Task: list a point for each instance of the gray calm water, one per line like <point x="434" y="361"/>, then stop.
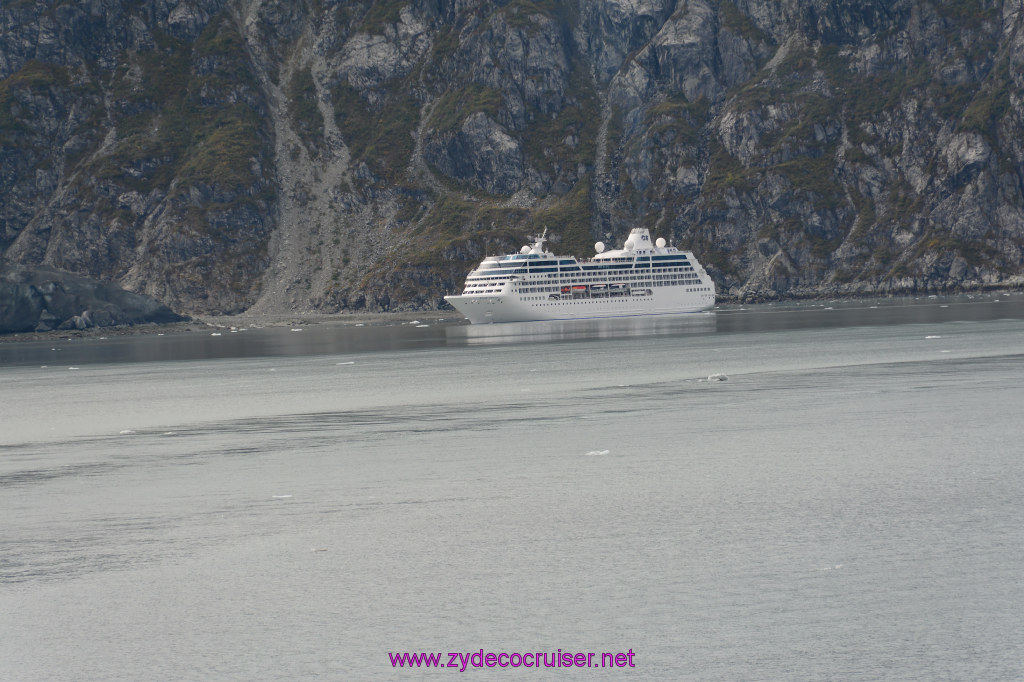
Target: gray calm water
<point x="281" y="504"/>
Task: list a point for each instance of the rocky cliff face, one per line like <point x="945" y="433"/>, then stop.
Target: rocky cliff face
<point x="222" y="155"/>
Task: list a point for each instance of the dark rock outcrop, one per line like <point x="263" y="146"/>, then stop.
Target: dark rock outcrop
<point x="43" y="299"/>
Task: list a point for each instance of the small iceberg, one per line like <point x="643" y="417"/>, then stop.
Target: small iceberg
<point x="281" y="497"/>
<point x="933" y="336"/>
<point x="718" y="377"/>
<point x="597" y="453"/>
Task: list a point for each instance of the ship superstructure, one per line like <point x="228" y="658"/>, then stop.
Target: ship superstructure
<point x="642" y="278"/>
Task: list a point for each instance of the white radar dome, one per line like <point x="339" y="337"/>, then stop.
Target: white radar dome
<point x="525" y="249"/>
<point x="599" y="247"/>
<point x="630" y="245"/>
<point x="660" y="242"/>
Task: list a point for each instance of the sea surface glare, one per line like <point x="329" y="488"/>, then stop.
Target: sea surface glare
<point x="843" y="502"/>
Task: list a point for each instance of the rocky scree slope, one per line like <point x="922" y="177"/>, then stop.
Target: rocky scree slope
<point x="229" y="155"/>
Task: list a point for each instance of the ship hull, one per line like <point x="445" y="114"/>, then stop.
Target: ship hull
<point x="512" y="308"/>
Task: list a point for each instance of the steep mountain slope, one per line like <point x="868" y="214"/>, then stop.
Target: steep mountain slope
<point x="223" y="155"/>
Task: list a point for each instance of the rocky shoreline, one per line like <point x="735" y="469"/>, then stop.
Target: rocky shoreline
<point x="206" y="324"/>
<point x="863" y="290"/>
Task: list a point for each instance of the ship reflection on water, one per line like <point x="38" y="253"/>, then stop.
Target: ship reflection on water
<point x="568" y="330"/>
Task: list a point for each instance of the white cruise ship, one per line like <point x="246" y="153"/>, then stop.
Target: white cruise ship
<point x="640" y="279"/>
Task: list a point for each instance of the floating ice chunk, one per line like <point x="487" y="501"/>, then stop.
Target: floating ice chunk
<point x="933" y="336"/>
<point x="73" y="368"/>
<point x="126" y="432"/>
<point x="281" y="497"/>
<point x="421" y="326"/>
<point x="597" y="453"/>
<point x="718" y="377"/>
<point x="297" y="330"/>
<point x="415" y="322"/>
<point x="360" y="324"/>
<point x="350" y="362"/>
<point x="215" y="334"/>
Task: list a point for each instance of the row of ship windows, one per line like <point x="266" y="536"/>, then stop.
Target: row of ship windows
<point x="601" y="298"/>
<point x="602" y="273"/>
<point x="584" y="300"/>
<point x="534" y="261"/>
<point x="480" y="288"/>
<point x="603" y="269"/>
<point x="492" y="281"/>
<point x="541" y="298"/>
<point x="658" y="281"/>
<point x="620" y="299"/>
